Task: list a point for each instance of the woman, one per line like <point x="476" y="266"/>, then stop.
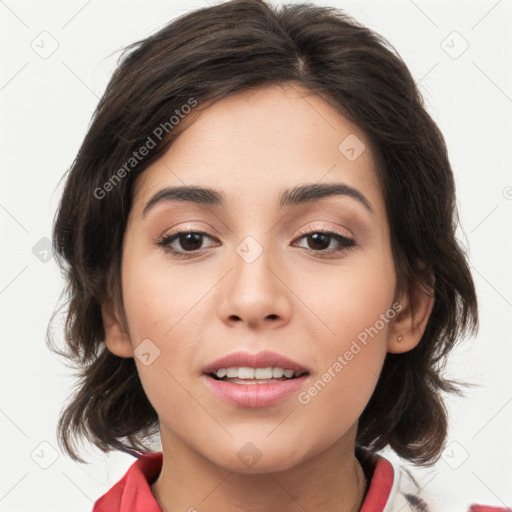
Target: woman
<point x="259" y="235"/>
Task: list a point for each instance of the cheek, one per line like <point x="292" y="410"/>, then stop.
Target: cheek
<point x="157" y="319"/>
<point x="350" y="297"/>
<point x="165" y="305"/>
<point x="355" y="312"/>
<point x="350" y="365"/>
<point x="160" y="300"/>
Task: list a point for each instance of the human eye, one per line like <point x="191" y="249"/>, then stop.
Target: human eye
<point x="190" y="242"/>
<point x="322" y="240"/>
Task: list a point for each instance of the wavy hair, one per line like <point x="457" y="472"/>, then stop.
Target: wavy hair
<point x="210" y="54"/>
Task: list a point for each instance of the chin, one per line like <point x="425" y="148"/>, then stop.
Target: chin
<point x="270" y="464"/>
<point x="254" y="457"/>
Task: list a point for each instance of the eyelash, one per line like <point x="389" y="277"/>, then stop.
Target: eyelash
<point x="346" y="243"/>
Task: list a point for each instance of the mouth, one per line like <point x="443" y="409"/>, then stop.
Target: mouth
<point x="263" y="365"/>
<point x="243" y="379"/>
<point x="245" y="386"/>
<point x="246" y="375"/>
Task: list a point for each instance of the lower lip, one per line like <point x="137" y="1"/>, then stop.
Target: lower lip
<point x="254" y="395"/>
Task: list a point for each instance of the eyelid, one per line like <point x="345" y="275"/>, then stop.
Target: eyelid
<point x="302" y="231"/>
<point x="346" y="243"/>
<point x="179" y="232"/>
<point x="330" y="228"/>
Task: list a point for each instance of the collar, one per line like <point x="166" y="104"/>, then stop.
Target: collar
<point x="391" y="488"/>
<point x="133" y="492"/>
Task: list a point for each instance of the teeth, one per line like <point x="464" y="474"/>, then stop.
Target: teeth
<point x="277" y="373"/>
<point x="244" y="372"/>
<point x="231" y="372"/>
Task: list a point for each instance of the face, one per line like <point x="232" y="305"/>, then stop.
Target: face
<point x="256" y="275"/>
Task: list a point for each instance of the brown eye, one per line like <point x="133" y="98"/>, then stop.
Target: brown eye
<point x="320" y="241"/>
<point x="182" y="242"/>
<point x="190" y="241"/>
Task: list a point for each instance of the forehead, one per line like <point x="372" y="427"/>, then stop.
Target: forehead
<point x="260" y="143"/>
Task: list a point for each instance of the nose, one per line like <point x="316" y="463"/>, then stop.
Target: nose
<point x="254" y="292"/>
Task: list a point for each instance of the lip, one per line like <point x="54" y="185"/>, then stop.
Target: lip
<point x="262" y="359"/>
<point x="254" y="395"/>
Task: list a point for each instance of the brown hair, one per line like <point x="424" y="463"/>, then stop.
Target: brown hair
<point x="210" y="54"/>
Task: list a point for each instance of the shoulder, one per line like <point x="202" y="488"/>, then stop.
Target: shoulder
<point x="393" y="488"/>
<point x="133" y="492"/>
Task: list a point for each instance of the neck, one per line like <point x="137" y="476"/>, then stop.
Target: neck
<point x="331" y="481"/>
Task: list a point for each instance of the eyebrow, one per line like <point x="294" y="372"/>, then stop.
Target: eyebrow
<point x="301" y="194"/>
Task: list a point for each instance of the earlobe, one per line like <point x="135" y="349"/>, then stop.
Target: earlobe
<point x="410" y="323"/>
<point x="116" y="338"/>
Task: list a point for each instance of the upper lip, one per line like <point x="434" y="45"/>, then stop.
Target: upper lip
<point x="263" y="359"/>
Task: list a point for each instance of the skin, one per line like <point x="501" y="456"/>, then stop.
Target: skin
<point x="252" y="146"/>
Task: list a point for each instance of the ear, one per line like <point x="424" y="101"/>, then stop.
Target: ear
<point x="409" y="325"/>
<point x="116" y="337"/>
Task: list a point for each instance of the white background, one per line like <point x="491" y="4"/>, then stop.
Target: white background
<point x="46" y="105"/>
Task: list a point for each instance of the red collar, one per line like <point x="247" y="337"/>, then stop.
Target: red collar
<point x="133" y="492"/>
